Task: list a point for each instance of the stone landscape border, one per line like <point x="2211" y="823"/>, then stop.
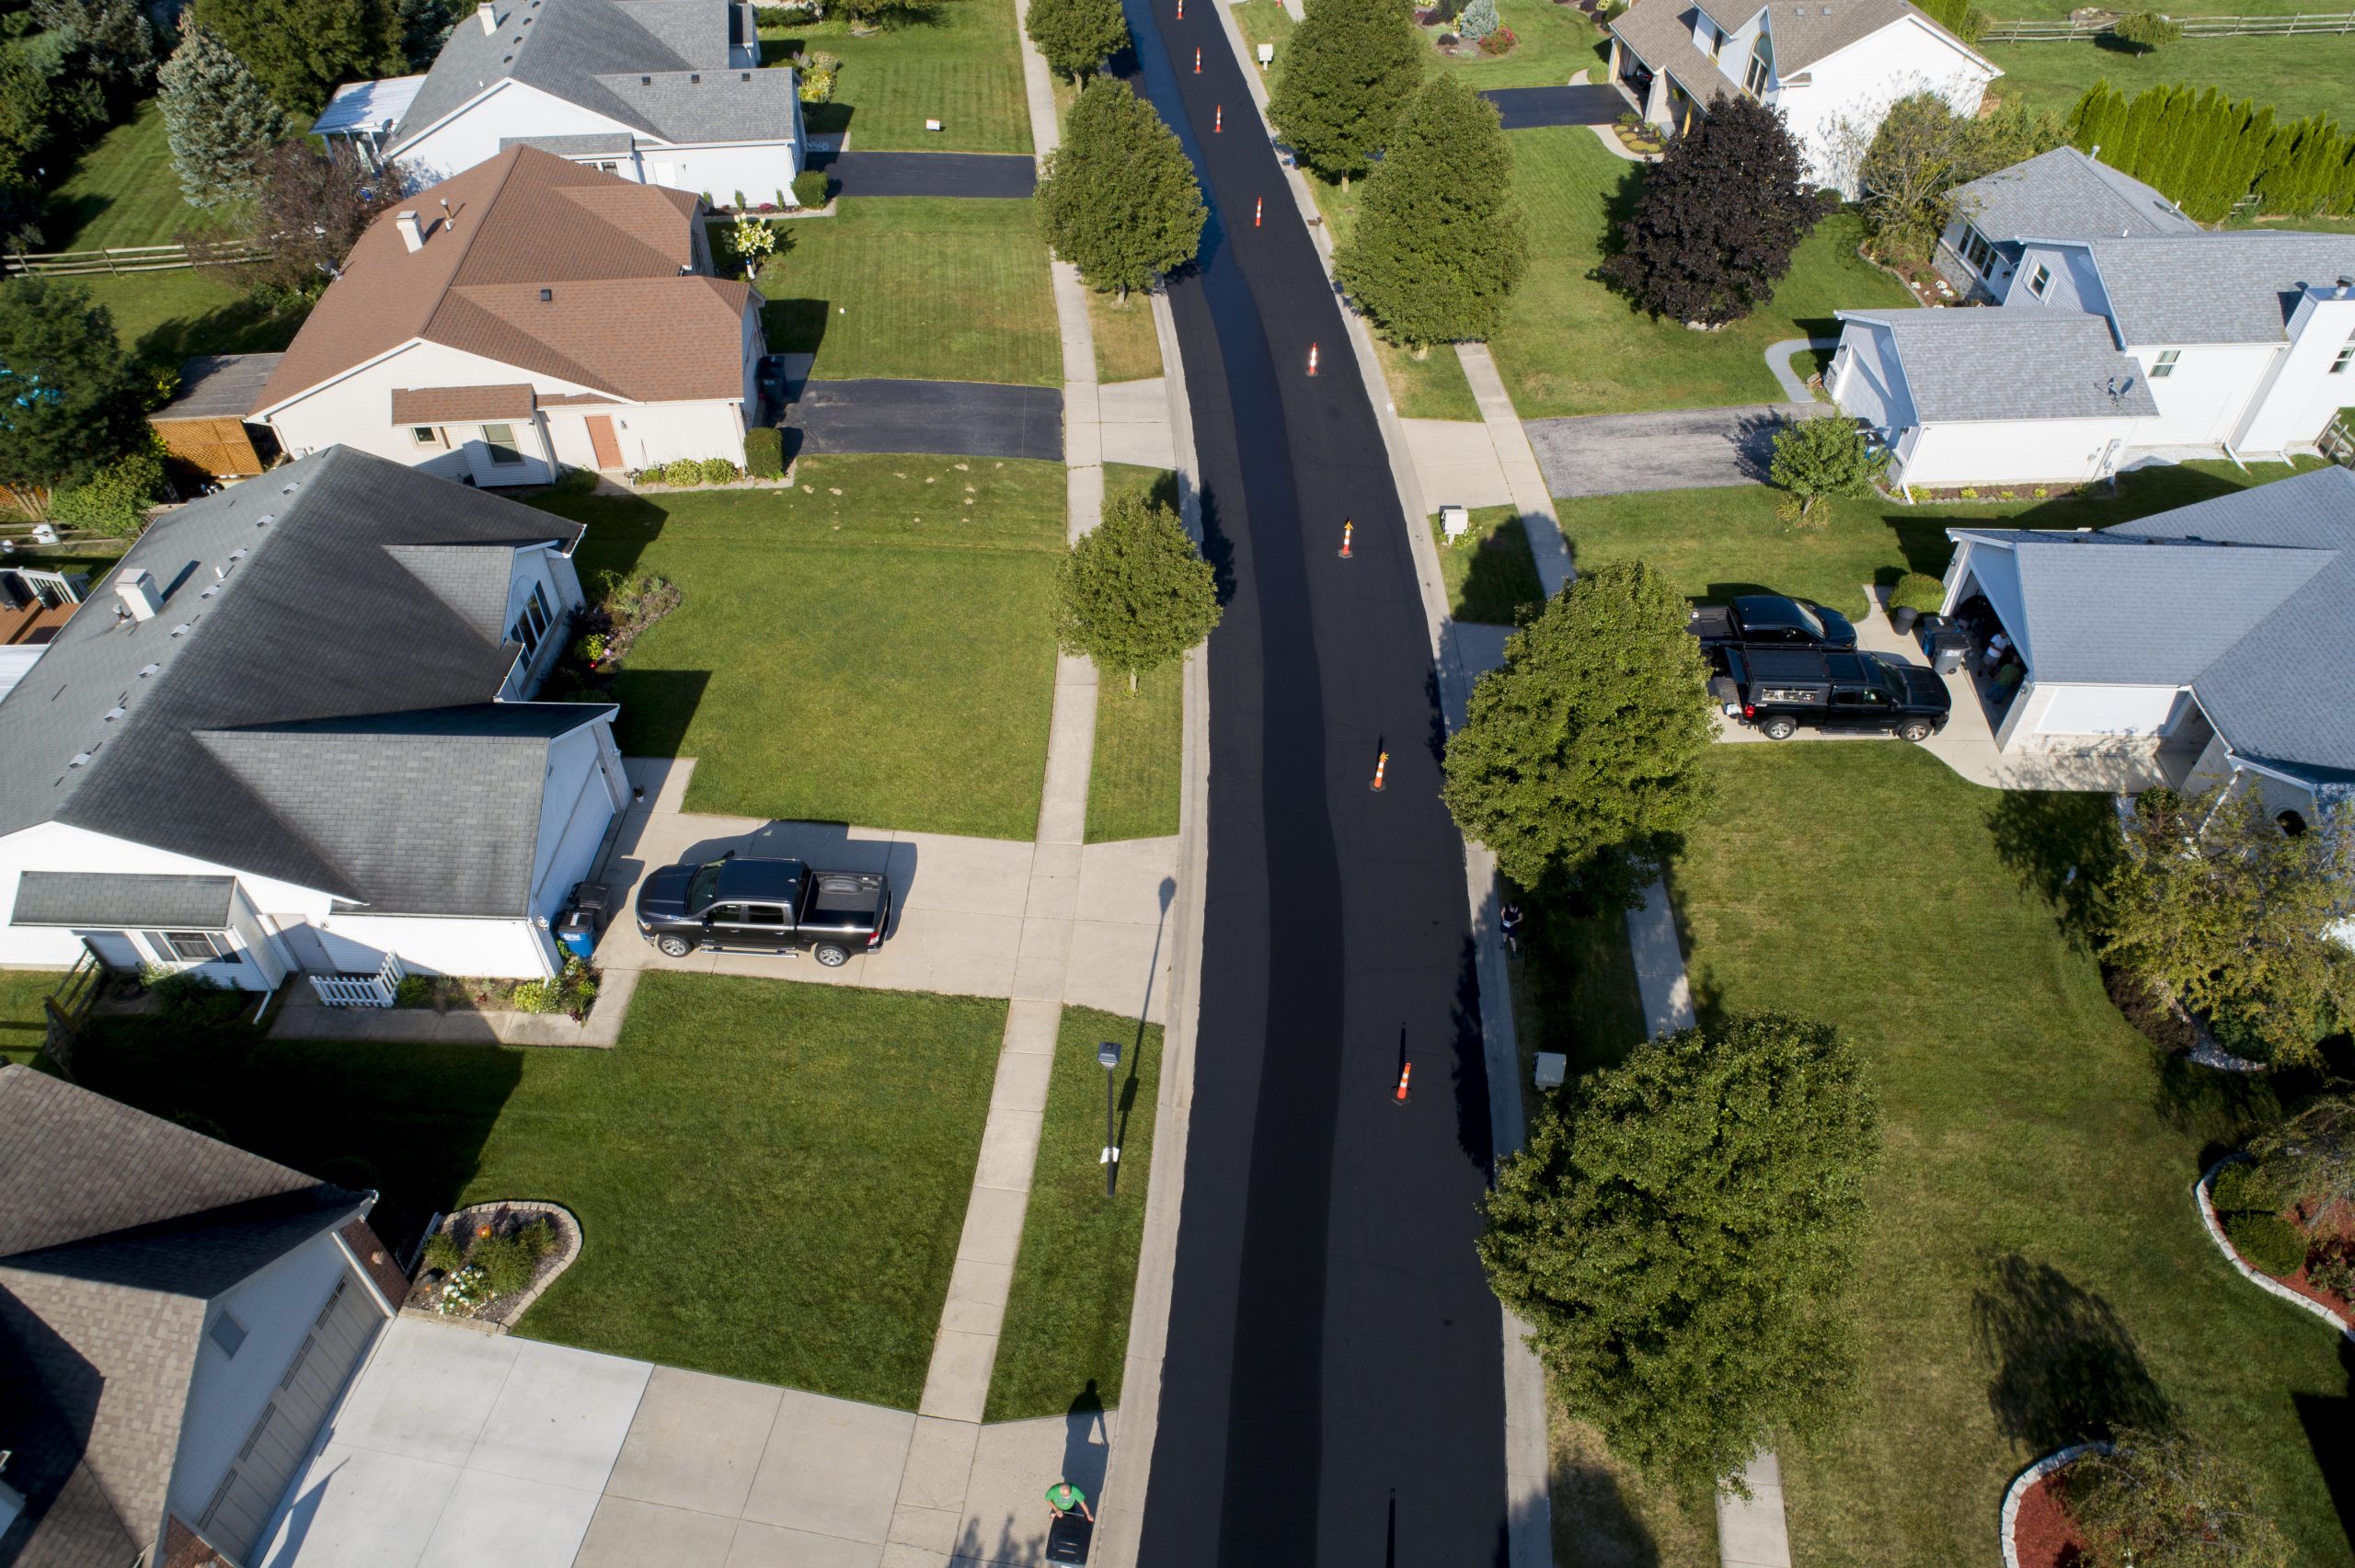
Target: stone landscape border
<point x="568" y="1228"/>
<point x="2029" y="1477"/>
<point x="2264" y="1282"/>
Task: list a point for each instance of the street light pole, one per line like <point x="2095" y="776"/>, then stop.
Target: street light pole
<point x="1107" y="1057"/>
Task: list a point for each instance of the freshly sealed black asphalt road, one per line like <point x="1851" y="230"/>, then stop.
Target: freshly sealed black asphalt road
<point x="963" y="418"/>
<point x="1523" y="108"/>
<point x="1333" y="1392"/>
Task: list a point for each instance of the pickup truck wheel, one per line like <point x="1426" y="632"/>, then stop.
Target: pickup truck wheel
<point x="831" y="955"/>
<point x="1778" y="730"/>
<point x="1915" y="731"/>
<point x="674" y="946"/>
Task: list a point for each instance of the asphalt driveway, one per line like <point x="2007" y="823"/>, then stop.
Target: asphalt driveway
<point x="1001" y="175"/>
<point x="962" y="419"/>
<point x="1526" y="108"/>
<point x="1682" y="449"/>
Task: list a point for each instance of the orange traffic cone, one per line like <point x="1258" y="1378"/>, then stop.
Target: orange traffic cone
<point x="1218" y="117"/>
<point x="1347" y="529"/>
<point x="1312" y="359"/>
<point x="1259" y="207"/>
<point x="1380" y="764"/>
<point x="1198" y="62"/>
<point x="1405" y="1070"/>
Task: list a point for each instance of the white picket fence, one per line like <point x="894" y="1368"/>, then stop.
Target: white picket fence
<point x="360" y="991"/>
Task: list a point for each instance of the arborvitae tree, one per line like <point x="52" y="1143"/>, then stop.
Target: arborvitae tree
<point x="1582" y="755"/>
<point x="1119" y="200"/>
<point x="1438" y="244"/>
<point x="1678" y="1234"/>
<point x="219" y="121"/>
<point x="113" y="42"/>
<point x="67" y="403"/>
<point x="423" y="27"/>
<point x="303" y="49"/>
<point x="1348" y="71"/>
<point x="1078" y="36"/>
<point x="1134" y="593"/>
<point x="1719" y="217"/>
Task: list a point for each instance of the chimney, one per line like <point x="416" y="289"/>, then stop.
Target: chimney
<point x="411" y="234"/>
<point x="489" y="16"/>
<point x="137" y="592"/>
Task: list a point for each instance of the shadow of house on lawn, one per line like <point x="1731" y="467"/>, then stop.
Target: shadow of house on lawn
<point x="658" y="708"/>
<point x="2063" y="1368"/>
<point x="241" y="327"/>
<point x="2329" y="1422"/>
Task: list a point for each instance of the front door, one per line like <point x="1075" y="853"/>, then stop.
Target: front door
<point x="607" y="446"/>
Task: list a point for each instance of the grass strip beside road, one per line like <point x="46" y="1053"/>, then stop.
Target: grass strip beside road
<point x="916" y="288"/>
<point x="1432" y="387"/>
<point x="1127" y="346"/>
<point x="874" y="645"/>
<point x="1066" y="1328"/>
<point x="771" y="1178"/>
<point x="1489" y="573"/>
<point x="1133" y="784"/>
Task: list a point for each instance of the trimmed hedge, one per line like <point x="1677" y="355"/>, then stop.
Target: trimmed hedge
<point x="811" y="188"/>
<point x="1918" y="592"/>
<point x="764" y="452"/>
<point x="2206" y="151"/>
<point x="2245" y="1187"/>
<point x="2267" y="1243"/>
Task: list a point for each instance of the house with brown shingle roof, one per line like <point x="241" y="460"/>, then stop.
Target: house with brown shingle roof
<point x="178" y="1318"/>
<point x="526" y="315"/>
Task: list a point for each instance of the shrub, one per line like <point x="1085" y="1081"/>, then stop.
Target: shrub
<point x="740" y="202"/>
<point x="811" y="189"/>
<point x="1479" y="19"/>
<point x="764" y="452"/>
<point x="189" y="997"/>
<point x="508" y="1262"/>
<point x="817" y="87"/>
<point x="441" y="1253"/>
<point x="1498" y="42"/>
<point x="2267" y="1243"/>
<point x="115" y="499"/>
<point x="683" y="471"/>
<point x="2244" y="1186"/>
<point x="415" y="991"/>
<point x="821" y="60"/>
<point x="1918" y="592"/>
<point x="574" y="481"/>
<point x="2146" y="30"/>
<point x="536" y="996"/>
<point x="719" y="470"/>
<point x="1826" y="456"/>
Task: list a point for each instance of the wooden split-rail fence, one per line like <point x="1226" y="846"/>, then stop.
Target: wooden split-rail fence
<point x="2193" y="26"/>
<point x="119" y="260"/>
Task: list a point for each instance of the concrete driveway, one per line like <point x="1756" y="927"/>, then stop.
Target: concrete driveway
<point x="962" y="418"/>
<point x="1682" y="449"/>
<point x="455" y="1446"/>
<point x="961" y="919"/>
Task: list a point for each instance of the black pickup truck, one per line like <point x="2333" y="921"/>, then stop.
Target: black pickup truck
<point x="1769" y="619"/>
<point x="1780" y="689"/>
<point x="765" y="905"/>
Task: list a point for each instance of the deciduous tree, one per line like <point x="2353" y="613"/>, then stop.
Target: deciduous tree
<point x="2167" y="1500"/>
<point x="1134" y="593"/>
<point x="67" y="402"/>
<point x="220" y="123"/>
<point x="1719" y="217"/>
<point x="1827" y="455"/>
<point x="1119" y="200"/>
<point x="1582" y="755"/>
<point x="1678" y="1233"/>
<point x="1438" y="244"/>
<point x="300" y="51"/>
<point x="1078" y="36"/>
<point x="1348" y="71"/>
<point x="312" y="207"/>
<point x="1909" y="165"/>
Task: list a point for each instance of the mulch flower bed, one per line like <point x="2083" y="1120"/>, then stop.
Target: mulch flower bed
<point x="488" y="1263"/>
<point x="2330" y="1232"/>
<point x="2044" y="1534"/>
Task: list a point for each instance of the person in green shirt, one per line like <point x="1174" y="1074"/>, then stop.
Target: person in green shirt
<point x="1063" y="1497"/>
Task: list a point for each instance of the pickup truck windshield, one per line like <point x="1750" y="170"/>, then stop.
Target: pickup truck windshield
<point x="706" y="884"/>
<point x="1807" y="619"/>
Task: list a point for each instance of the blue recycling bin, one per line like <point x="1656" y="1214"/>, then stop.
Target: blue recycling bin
<point x="577" y="933"/>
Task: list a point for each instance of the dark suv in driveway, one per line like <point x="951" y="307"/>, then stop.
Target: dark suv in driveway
<point x="765" y="906"/>
<point x="1780" y="691"/>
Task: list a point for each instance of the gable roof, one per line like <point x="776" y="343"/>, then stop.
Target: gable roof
<point x="628" y="312"/>
<point x="2215" y="288"/>
<point x="2012" y="364"/>
<point x="2246" y="599"/>
<point x="593" y="53"/>
<point x="1660" y="32"/>
<point x="275" y="735"/>
<point x="2063" y="194"/>
<point x="119" y="1229"/>
<point x="1806" y="33"/>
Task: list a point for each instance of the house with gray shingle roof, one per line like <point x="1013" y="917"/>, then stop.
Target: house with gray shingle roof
<point x="295" y="731"/>
<point x="662" y="92"/>
<point x="178" y="1318"/>
<point x="1831" y="68"/>
<point x="2118" y="331"/>
<point x="2217" y="632"/>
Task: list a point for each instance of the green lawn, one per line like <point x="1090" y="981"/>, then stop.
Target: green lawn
<point x="1489" y="573"/>
<point x="1717" y="544"/>
<point x="1067" y="1327"/>
<point x="2297" y="75"/>
<point x="1570" y="346"/>
<point x="162" y="319"/>
<point x="23" y="1025"/>
<point x="2033" y="1250"/>
<point x="963" y="67"/>
<point x="1127" y="346"/>
<point x="1132" y="784"/>
<point x="1555" y="43"/>
<point x="771" y="1177"/>
<point x="919" y="288"/>
<point x="883" y="656"/>
<point x="1264" y="21"/>
<point x="123" y="192"/>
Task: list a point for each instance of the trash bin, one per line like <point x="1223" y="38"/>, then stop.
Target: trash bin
<point x="1068" y="1539"/>
<point x="577" y="933"/>
<point x="1948" y="649"/>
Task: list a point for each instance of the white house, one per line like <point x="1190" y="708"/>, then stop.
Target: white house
<point x="525" y="315"/>
<point x="2218" y="632"/>
<point x="664" y="92"/>
<point x="294" y="732"/>
<point x="2062" y="194"/>
<point x="1831" y="67"/>
<point x="176" y="1319"/>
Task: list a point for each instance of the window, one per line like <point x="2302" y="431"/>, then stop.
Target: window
<point x="1977" y="254"/>
<point x="193" y="946"/>
<point x="725" y="914"/>
<point x="228" y="1333"/>
<point x="1762" y="69"/>
<point x="2346" y="357"/>
<point x="2039" y="280"/>
<point x="425" y="435"/>
<point x="763" y="914"/>
<point x="1858" y="697"/>
<point x="608" y="166"/>
<point x="500" y="438"/>
<point x="1717" y="44"/>
<point x="2166" y="367"/>
<point x="532" y="622"/>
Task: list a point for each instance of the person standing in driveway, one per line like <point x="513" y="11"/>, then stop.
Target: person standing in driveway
<point x="1064" y="1498"/>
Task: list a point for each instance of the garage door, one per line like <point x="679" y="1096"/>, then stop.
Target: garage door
<point x="274" y="1449"/>
<point x="2109" y="710"/>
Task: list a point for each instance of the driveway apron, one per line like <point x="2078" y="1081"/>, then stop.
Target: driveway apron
<point x="1526" y="108"/>
<point x="960" y="418"/>
<point x="1001" y="175"/>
